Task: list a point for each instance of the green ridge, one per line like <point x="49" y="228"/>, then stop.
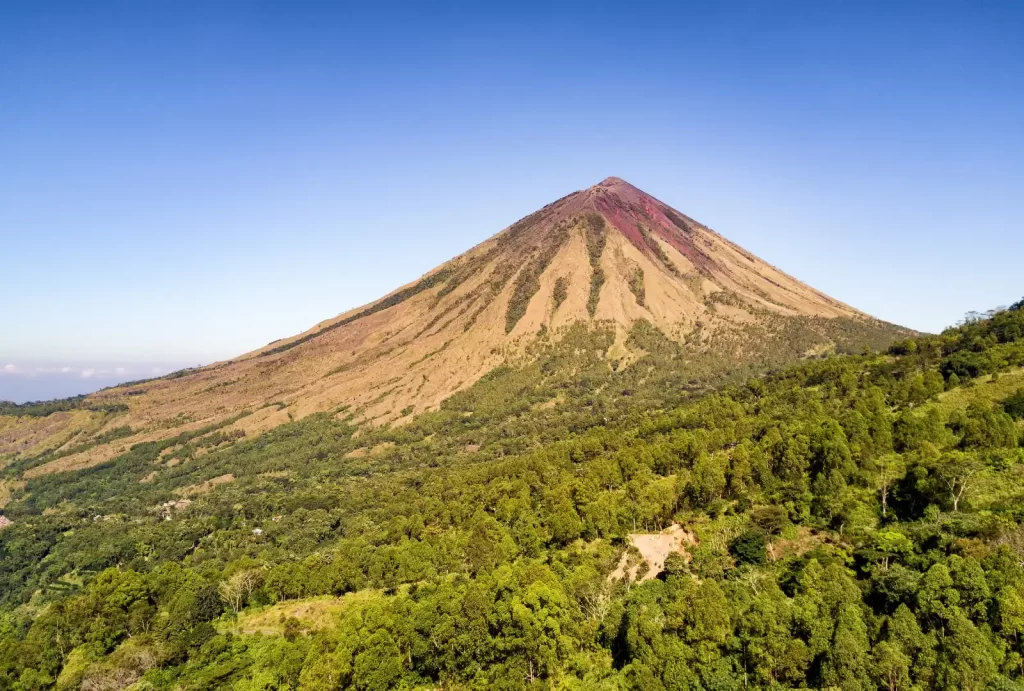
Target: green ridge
<point x="596" y="234"/>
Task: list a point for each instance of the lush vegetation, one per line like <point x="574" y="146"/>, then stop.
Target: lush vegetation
<point x="857" y="523"/>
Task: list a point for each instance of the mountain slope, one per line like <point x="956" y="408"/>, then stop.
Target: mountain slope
<point x="609" y="255"/>
<point x="857" y="518"/>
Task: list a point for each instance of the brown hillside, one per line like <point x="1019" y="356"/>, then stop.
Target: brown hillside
<point x="609" y="252"/>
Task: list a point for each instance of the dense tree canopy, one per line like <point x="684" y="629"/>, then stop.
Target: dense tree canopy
<point x="857" y="522"/>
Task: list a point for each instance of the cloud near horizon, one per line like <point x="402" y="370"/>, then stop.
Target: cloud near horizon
<point x="22" y="382"/>
<point x="83" y="372"/>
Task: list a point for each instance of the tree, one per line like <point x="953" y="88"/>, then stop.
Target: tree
<point x="890" y="666"/>
<point x="769" y="651"/>
<point x="676" y="564"/>
<point x="740" y="470"/>
<point x="958" y="471"/>
<point x="489" y="545"/>
<point x="33" y="680"/>
<point x="968" y="659"/>
<point x="708" y="479"/>
<point x="904" y="632"/>
<point x="831" y="495"/>
<point x="891" y="469"/>
<point x="322" y="671"/>
<point x="239" y="587"/>
<point x="532" y="627"/>
<point x="1014" y="405"/>
<point x="983" y="426"/>
<point x="933" y="383"/>
<point x="889" y="544"/>
<point x="772" y="520"/>
<point x="379" y="666"/>
<point x="1010" y="605"/>
<point x="708" y="615"/>
<point x="831" y="450"/>
<point x="908" y="432"/>
<point x="971" y="583"/>
<point x="749" y="547"/>
<point x="936" y="597"/>
<point x="846" y="661"/>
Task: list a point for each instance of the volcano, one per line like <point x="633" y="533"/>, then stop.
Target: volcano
<point x="609" y="255"/>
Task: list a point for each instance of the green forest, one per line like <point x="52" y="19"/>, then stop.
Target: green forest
<point x="857" y="523"/>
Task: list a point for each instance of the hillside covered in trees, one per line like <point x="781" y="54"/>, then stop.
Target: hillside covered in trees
<point x="856" y="524"/>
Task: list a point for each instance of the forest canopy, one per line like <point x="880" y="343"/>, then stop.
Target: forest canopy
<point x="856" y="524"/>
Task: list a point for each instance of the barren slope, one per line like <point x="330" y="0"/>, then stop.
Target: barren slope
<point x="610" y="252"/>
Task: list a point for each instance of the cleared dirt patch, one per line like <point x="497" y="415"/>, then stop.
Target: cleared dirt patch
<point x="653" y="548"/>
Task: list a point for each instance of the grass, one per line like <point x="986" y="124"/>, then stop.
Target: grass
<point x="5" y="492"/>
<point x="984" y="390"/>
<point x="315" y="614"/>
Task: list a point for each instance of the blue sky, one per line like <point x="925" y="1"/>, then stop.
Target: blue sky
<point x="181" y="182"/>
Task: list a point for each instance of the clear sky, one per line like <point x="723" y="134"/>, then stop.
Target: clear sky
<point x="181" y="181"/>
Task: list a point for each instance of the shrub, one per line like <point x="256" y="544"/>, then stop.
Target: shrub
<point x="596" y="236"/>
<point x="1014" y="405"/>
<point x="596" y="281"/>
<point x="636" y="285"/>
<point x="561" y="291"/>
<point x="749" y="548"/>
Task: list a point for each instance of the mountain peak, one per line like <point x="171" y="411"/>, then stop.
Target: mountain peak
<point x="609" y="256"/>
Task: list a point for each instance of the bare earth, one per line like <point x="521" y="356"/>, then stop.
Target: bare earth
<point x="654" y="549"/>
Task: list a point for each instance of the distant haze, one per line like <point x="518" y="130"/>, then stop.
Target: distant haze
<point x="22" y="381"/>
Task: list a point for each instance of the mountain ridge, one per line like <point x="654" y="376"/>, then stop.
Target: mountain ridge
<point x="592" y="200"/>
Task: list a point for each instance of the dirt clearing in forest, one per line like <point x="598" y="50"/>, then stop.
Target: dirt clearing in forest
<point x="653" y="549"/>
